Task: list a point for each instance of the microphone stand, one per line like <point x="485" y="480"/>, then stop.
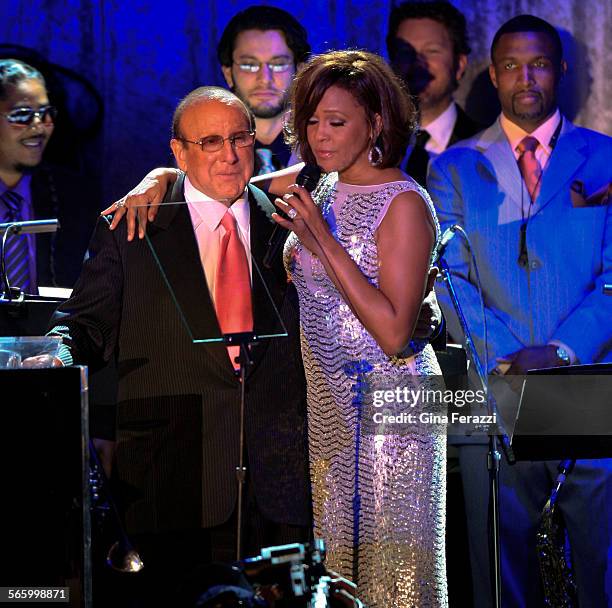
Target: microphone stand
<point x="493" y="454"/>
<point x="245" y="360"/>
<point x="13" y="296"/>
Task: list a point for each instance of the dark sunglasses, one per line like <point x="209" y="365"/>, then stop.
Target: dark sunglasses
<point x="22" y="117"/>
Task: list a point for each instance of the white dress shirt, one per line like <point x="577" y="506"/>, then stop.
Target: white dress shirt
<point x="440" y="131"/>
<point x="206" y="214"/>
<point x="544" y="134"/>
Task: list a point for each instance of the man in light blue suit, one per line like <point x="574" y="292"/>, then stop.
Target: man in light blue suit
<point x="523" y="190"/>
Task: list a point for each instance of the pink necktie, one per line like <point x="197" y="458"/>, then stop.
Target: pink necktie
<point x="233" y="285"/>
<point x="529" y="165"/>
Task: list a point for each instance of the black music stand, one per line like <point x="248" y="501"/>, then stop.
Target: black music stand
<point x="44" y="468"/>
<point x="565" y="413"/>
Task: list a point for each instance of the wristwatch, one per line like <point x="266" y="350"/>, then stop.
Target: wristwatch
<point x="563" y="356"/>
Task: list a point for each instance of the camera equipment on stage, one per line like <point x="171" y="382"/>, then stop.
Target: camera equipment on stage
<point x="287" y="575"/>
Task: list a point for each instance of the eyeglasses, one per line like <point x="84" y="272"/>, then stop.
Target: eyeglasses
<point x="214" y="143"/>
<point x="22" y="117"/>
<point x="252" y="67"/>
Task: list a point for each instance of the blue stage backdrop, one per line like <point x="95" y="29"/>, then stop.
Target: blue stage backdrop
<point x="143" y="56"/>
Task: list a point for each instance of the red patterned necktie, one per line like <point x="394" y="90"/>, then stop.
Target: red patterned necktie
<point x="233" y="285"/>
<point x="529" y="165"/>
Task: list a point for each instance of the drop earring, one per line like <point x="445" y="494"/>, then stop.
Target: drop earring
<point x="375" y="155"/>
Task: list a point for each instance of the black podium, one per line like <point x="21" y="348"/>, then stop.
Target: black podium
<point x="44" y="471"/>
<point x="29" y="317"/>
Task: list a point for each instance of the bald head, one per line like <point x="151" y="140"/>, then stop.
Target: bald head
<point x="206" y="94"/>
<point x="213" y="144"/>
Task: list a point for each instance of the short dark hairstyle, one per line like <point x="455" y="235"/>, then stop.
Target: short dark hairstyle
<point x="374" y="86"/>
<point x="13" y="71"/>
<point x="264" y="18"/>
<point x="528" y="23"/>
<point x="208" y="94"/>
<point x="442" y="12"/>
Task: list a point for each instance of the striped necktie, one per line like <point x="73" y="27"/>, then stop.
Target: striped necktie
<point x="16" y="254"/>
<point x="264" y="156"/>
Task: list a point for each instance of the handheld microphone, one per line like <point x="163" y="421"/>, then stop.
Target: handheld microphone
<point x="447" y="237"/>
<point x="308" y="178"/>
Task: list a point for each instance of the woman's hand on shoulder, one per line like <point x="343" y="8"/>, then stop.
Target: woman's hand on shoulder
<point x="142" y="201"/>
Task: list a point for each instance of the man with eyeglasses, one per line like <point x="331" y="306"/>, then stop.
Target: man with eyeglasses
<point x="178" y="402"/>
<point x="31" y="189"/>
<point x="260" y="51"/>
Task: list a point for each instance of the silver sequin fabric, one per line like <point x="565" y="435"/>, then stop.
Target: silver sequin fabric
<point x="378" y="500"/>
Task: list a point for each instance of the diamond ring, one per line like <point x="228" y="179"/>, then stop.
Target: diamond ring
<point x="292" y="213"/>
<point x="120" y="203"/>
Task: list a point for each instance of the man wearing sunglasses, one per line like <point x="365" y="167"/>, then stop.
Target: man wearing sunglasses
<point x="260" y="51"/>
<point x="31" y="189"/>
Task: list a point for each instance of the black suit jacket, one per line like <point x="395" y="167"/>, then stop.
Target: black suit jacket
<point x="464" y="127"/>
<point x="178" y="403"/>
<point x="62" y="194"/>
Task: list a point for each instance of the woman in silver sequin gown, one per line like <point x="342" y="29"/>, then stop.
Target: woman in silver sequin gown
<point x="359" y="255"/>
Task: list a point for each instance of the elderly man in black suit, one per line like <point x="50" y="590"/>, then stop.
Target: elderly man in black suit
<point x="146" y="303"/>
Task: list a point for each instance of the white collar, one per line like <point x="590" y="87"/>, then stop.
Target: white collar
<point x="22" y="187"/>
<point x="544" y="133"/>
<point x="440" y="129"/>
<point x="209" y="211"/>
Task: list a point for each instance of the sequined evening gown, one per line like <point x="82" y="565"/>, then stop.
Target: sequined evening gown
<point x="378" y="500"/>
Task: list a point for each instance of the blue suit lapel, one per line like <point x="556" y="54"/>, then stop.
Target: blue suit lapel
<point x="496" y="149"/>
<point x="567" y="157"/>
